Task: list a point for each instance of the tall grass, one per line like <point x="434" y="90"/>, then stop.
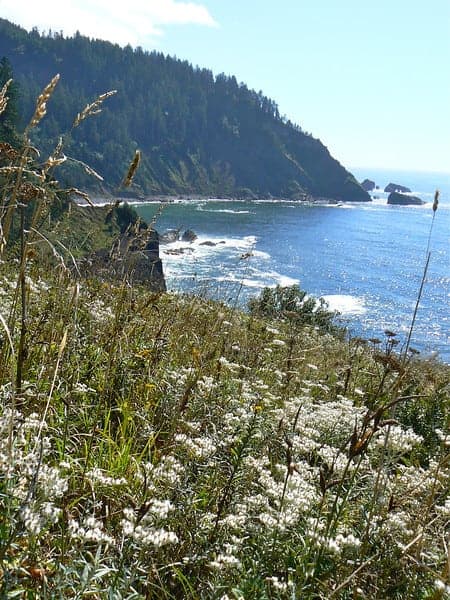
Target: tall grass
<point x="160" y="446"/>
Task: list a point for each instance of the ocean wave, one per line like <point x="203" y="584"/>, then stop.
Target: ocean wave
<point x="205" y="244"/>
<point x="244" y="281"/>
<point x="346" y="304"/>
<point x="260" y="254"/>
<point x="258" y="279"/>
<point x="225" y="210"/>
<point x="280" y="279"/>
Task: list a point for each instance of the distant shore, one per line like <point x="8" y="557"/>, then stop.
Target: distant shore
<point x="105" y="199"/>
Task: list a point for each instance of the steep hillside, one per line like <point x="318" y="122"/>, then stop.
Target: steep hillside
<point x="199" y="134"/>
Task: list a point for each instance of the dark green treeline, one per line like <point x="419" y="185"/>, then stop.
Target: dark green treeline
<point x="198" y="133"/>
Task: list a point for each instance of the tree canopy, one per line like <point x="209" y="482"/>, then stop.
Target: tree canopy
<point x="198" y="133"/>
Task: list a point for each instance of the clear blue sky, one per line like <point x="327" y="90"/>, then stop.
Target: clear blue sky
<point x="370" y="78"/>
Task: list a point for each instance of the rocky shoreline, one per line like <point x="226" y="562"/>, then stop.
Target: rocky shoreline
<point x="106" y="199"/>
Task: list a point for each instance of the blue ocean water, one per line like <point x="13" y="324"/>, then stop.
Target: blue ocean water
<point x="366" y="260"/>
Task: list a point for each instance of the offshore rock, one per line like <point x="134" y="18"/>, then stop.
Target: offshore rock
<point x="396" y="187"/>
<point x="368" y="185"/>
<point x="404" y="200"/>
<point x="169" y="236"/>
<point x="189" y="236"/>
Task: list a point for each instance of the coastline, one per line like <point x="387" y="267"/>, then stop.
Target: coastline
<point x="107" y="199"/>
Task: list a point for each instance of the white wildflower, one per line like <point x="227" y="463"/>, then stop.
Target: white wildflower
<point x="399" y="440"/>
<point x="96" y="475"/>
<point x="444" y="438"/>
<point x="231" y="366"/>
<point x="441" y="586"/>
<point x="277" y="342"/>
<point x="91" y="530"/>
<point x="225" y="561"/>
<point x="272" y="330"/>
<point x="199" y="447"/>
<point x="168" y="470"/>
<point x="154" y="537"/>
<point x="32" y="520"/>
<point x="277" y="584"/>
<point x="82" y="388"/>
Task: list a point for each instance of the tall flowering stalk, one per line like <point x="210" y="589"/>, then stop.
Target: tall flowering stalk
<point x="424" y="276"/>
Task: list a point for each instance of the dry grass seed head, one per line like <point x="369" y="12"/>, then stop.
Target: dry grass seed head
<point x="56" y="158"/>
<point x="81" y="194"/>
<point x="132" y="169"/>
<point x="27" y="192"/>
<point x="41" y="102"/>
<point x="3" y="97"/>
<point x="92" y="109"/>
<point x="436" y="201"/>
<point x="7" y="152"/>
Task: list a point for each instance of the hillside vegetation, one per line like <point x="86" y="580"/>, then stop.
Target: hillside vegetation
<point x="199" y="133"/>
<point x="155" y="446"/>
<point x="162" y="446"/>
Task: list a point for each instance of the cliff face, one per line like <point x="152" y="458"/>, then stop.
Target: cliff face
<point x="134" y="257"/>
<point x="109" y="242"/>
<point x="198" y="133"/>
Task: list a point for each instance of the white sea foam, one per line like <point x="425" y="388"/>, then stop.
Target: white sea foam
<point x="345" y="304"/>
<point x="245" y="281"/>
<point x="224" y="210"/>
<point x="259" y="280"/>
<point x="261" y="254"/>
<point x="206" y="244"/>
<point x="280" y="279"/>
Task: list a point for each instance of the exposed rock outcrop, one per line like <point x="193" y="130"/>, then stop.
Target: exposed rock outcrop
<point x="396" y="187"/>
<point x="404" y="200"/>
<point x="134" y="257"/>
<point x="174" y="235"/>
<point x="189" y="236"/>
<point x="169" y="236"/>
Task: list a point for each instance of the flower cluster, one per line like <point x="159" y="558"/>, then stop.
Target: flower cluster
<point x="143" y="529"/>
<point x="32" y="485"/>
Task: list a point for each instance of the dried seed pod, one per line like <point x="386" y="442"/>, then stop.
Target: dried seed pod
<point x="7" y="152"/>
<point x="436" y="201"/>
<point x="132" y="169"/>
<point x="27" y="192"/>
<point x="3" y="97"/>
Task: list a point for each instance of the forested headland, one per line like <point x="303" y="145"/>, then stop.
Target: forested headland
<point x="199" y="133"/>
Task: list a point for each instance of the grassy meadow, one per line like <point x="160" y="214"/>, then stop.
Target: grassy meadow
<point x="165" y="446"/>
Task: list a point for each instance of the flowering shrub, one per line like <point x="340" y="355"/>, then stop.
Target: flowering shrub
<point x="294" y="305"/>
<point x="204" y="471"/>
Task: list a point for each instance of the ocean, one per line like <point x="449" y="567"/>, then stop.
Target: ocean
<point x="367" y="259"/>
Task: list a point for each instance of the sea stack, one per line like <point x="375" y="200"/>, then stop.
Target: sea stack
<point x="396" y="187"/>
<point x="368" y="185"/>
<point x="404" y="200"/>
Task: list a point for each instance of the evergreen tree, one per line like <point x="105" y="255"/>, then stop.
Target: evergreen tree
<point x="10" y="116"/>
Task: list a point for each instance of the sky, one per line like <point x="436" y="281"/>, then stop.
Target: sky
<point x="370" y="78"/>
